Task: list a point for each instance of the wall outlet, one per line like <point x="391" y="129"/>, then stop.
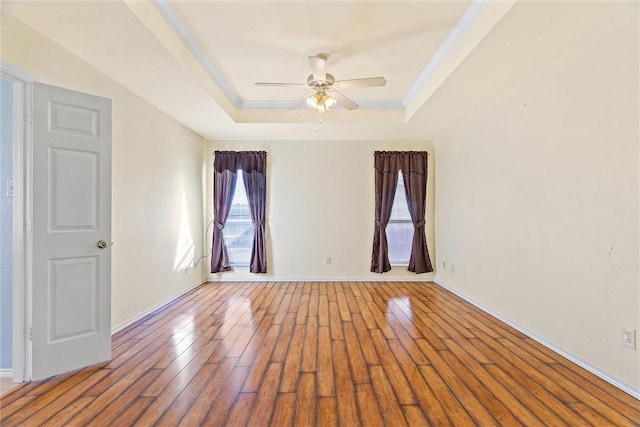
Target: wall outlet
<point x="327" y="261"/>
<point x="444" y="265"/>
<point x="629" y="338"/>
<point x="453" y="268"/>
<point x="9" y="188"/>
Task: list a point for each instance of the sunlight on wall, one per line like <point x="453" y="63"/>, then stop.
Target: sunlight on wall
<point x="185" y="248"/>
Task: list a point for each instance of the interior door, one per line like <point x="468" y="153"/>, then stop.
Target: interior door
<point x="71" y="291"/>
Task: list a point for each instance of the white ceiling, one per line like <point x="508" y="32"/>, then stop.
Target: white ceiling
<point x="198" y="60"/>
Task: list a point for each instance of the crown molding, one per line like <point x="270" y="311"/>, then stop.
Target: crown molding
<point x="194" y="47"/>
<point x="189" y="41"/>
<point x="469" y="16"/>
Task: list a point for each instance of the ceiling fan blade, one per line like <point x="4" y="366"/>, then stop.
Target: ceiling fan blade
<point x="318" y="68"/>
<point x="279" y="84"/>
<point x="366" y="82"/>
<point x="301" y="101"/>
<point x="343" y="100"/>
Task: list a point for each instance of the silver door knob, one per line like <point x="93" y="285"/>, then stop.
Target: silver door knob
<point x="102" y="244"/>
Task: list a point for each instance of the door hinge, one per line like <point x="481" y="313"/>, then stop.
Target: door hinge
<point x="30" y="225"/>
<point x="30" y="115"/>
<point x="30" y="334"/>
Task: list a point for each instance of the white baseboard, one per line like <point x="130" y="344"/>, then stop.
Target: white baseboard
<point x="627" y="389"/>
<point x="382" y="278"/>
<point x="154" y="308"/>
<point x="6" y="373"/>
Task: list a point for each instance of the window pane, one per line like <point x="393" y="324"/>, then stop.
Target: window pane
<point x="399" y="238"/>
<point x="400" y="228"/>
<point x="238" y="230"/>
<point x="400" y="209"/>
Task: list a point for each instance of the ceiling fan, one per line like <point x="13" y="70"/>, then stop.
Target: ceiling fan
<point x="325" y="96"/>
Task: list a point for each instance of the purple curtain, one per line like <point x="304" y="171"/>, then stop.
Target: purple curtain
<point x="413" y="165"/>
<point x="253" y="165"/>
<point x="386" y="183"/>
<point x="415" y="187"/>
<point x="257" y="194"/>
<point x="224" y="186"/>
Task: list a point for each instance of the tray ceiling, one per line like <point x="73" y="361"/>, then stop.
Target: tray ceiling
<point x="198" y="60"/>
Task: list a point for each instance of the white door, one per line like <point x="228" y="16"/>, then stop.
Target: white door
<point x="71" y="292"/>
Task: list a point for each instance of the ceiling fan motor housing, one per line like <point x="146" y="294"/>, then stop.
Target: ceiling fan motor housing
<point x="321" y="85"/>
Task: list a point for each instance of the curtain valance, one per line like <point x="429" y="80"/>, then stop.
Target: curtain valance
<point x="406" y="161"/>
<point x="248" y="161"/>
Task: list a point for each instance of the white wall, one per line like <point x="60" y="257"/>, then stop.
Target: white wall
<point x="320" y="203"/>
<point x="537" y="203"/>
<point x="157" y="177"/>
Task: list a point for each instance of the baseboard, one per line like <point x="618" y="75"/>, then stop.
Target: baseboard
<point x="258" y="278"/>
<point x="154" y="308"/>
<point x="627" y="389"/>
<point x="6" y="373"/>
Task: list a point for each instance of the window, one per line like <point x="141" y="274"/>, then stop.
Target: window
<point x="238" y="230"/>
<point x="400" y="227"/>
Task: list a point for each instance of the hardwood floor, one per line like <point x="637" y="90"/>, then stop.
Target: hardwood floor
<point x="6" y="385"/>
<point x="322" y="353"/>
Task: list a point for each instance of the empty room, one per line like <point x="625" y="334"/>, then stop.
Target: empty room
<point x="320" y="213"/>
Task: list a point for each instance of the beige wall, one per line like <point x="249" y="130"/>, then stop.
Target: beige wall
<point x="320" y="203"/>
<point x="537" y="203"/>
<point x="157" y="177"/>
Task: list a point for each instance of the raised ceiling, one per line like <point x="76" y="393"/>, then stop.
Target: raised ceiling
<point x="198" y="60"/>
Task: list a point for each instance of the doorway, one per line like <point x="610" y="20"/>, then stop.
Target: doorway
<point x="47" y="125"/>
<point x="14" y="208"/>
<point x="6" y="228"/>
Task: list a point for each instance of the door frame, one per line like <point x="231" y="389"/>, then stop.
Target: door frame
<point x="22" y="217"/>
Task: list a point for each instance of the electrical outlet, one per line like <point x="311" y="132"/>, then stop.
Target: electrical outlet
<point x="444" y="265"/>
<point x="9" y="188"/>
<point x="327" y="261"/>
<point x="453" y="268"/>
<point x="630" y="338"/>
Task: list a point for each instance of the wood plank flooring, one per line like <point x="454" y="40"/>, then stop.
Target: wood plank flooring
<point x="325" y="354"/>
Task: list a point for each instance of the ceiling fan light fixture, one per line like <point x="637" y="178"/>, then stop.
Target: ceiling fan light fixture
<point x="313" y="101"/>
<point x="320" y="103"/>
<point x="329" y="102"/>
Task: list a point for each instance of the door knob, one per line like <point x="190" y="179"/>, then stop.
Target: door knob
<point x="102" y="244"/>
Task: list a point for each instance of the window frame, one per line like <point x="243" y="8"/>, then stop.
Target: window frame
<point x="230" y="221"/>
<point x="400" y="186"/>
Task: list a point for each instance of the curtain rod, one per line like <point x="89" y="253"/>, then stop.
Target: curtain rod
<point x="234" y="151"/>
<point x="394" y="152"/>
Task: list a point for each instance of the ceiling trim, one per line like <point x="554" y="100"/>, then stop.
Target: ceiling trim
<point x="268" y="105"/>
<point x="475" y="23"/>
<point x="194" y="47"/>
<point x="283" y="105"/>
<point x="381" y="105"/>
<point x="458" y="43"/>
<point x="216" y="76"/>
<point x="469" y="16"/>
